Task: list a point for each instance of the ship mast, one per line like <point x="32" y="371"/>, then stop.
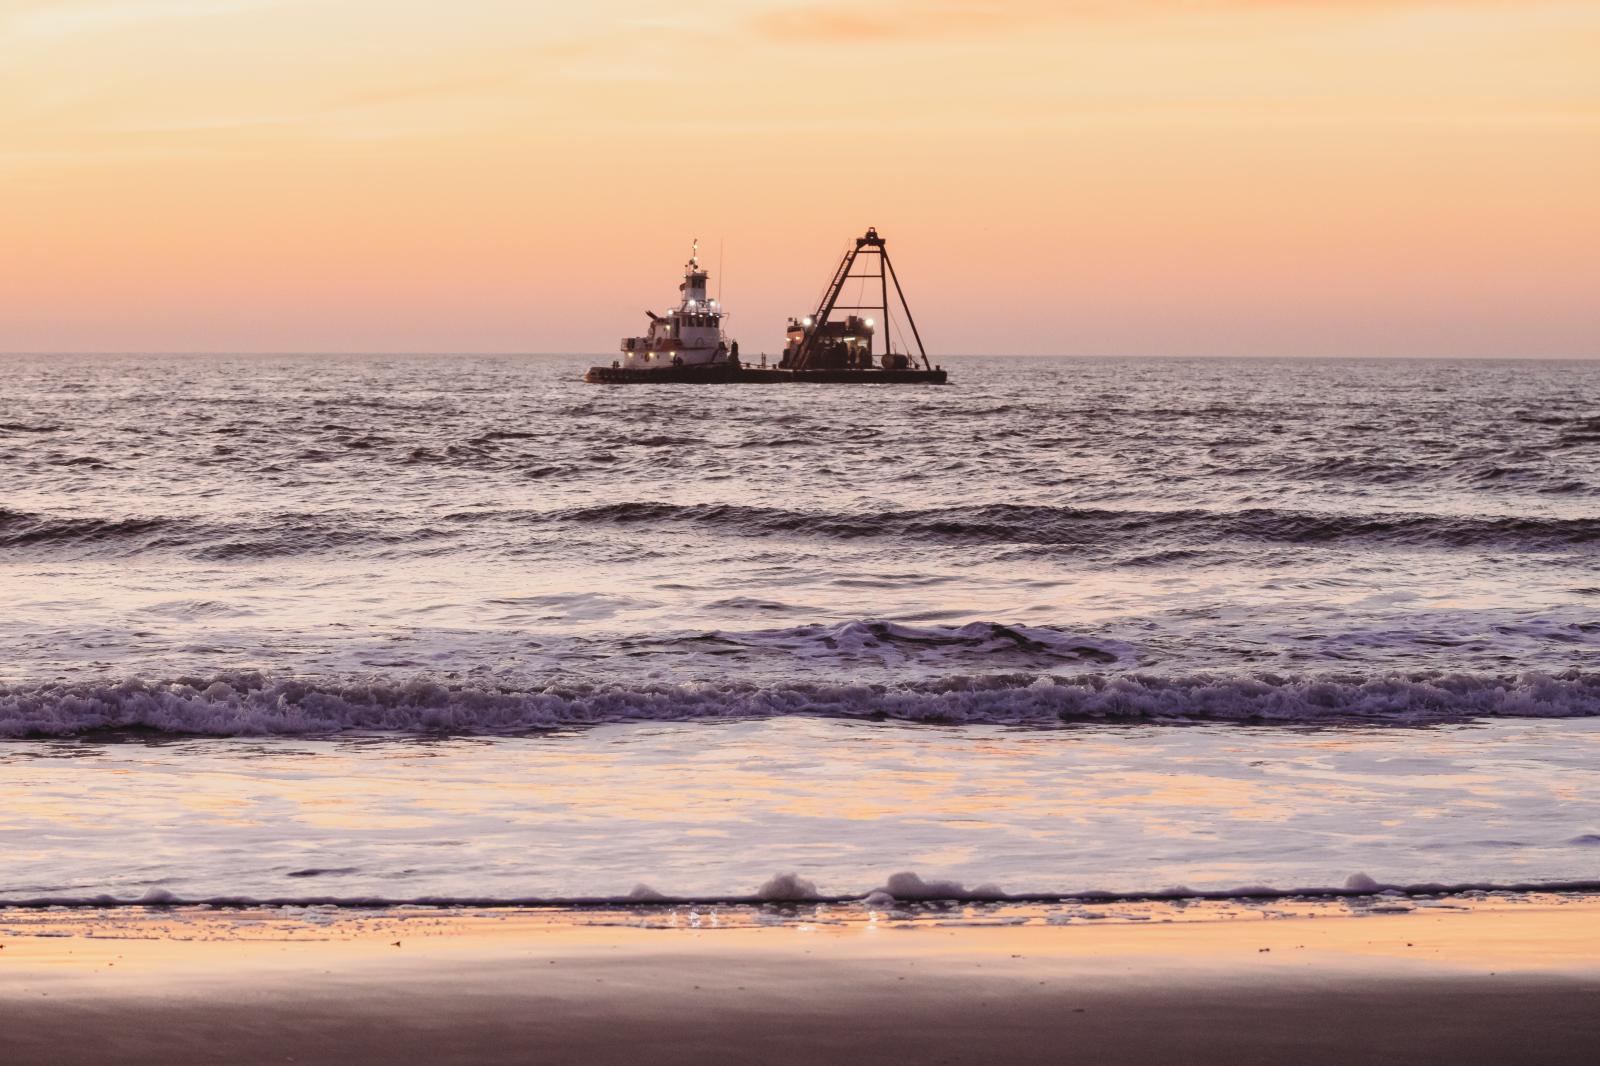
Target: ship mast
<point x="870" y="245"/>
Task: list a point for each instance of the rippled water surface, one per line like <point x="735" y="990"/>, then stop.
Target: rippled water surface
<point x="455" y="547"/>
<point x="490" y="526"/>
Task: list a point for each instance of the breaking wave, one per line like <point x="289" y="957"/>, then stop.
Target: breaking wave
<point x="1016" y="527"/>
<point x="1024" y="524"/>
<point x="22" y="530"/>
<point x="256" y="704"/>
<point x="269" y="536"/>
<point x="990" y="643"/>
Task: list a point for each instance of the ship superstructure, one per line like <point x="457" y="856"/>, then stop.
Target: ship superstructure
<point x="689" y="335"/>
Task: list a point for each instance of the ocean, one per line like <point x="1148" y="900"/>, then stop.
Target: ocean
<point x="400" y="629"/>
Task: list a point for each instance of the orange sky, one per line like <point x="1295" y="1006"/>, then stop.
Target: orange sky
<point x="1188" y="177"/>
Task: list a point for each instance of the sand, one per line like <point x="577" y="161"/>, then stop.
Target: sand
<point x="1485" y="982"/>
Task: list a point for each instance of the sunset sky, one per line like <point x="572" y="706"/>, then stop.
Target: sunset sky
<point x="1086" y="177"/>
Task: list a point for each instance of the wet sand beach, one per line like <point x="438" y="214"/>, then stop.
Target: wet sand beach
<point x="1481" y="981"/>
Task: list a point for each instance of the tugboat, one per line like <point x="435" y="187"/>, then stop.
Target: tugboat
<point x="683" y="344"/>
<point x="687" y="345"/>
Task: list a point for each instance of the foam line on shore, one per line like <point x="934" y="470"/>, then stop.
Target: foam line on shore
<point x="900" y="890"/>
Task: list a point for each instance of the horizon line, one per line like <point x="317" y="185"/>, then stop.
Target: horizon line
<point x="474" y="354"/>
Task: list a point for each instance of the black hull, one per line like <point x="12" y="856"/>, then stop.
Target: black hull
<point x="723" y="374"/>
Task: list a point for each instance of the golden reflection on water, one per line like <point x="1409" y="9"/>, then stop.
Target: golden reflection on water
<point x="706" y="808"/>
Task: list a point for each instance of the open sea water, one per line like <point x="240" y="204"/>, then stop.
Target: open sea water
<point x="405" y="628"/>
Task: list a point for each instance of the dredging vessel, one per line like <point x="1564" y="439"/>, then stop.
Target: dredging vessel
<point x="688" y="344"/>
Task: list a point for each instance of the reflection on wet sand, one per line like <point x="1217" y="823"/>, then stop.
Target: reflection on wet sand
<point x="1450" y="979"/>
<point x="1503" y="932"/>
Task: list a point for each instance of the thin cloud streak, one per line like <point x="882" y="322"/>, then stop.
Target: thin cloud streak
<point x="832" y="22"/>
<point x="58" y="21"/>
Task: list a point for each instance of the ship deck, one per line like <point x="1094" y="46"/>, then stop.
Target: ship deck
<point x="724" y="374"/>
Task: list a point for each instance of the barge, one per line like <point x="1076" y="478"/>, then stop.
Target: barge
<point x="832" y="345"/>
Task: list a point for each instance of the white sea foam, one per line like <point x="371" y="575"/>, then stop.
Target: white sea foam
<point x="787" y="888"/>
<point x="643" y="893"/>
<point x="910" y="886"/>
<point x="250" y="704"/>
